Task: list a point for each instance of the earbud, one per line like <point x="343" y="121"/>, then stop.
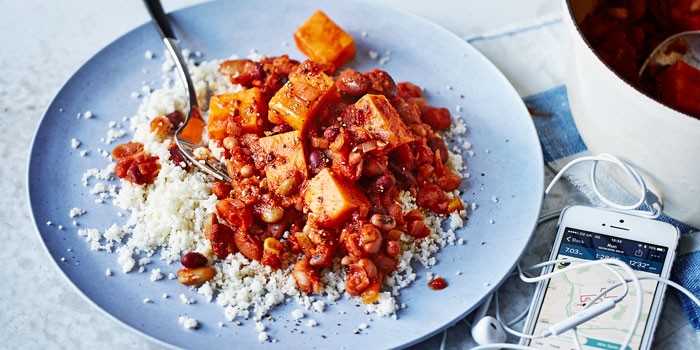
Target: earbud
<point x="488" y="331"/>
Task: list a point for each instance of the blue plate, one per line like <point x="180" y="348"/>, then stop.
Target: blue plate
<point x="507" y="164"/>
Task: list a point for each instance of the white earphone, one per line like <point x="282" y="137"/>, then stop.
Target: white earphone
<point x="491" y="333"/>
<point x="487" y="329"/>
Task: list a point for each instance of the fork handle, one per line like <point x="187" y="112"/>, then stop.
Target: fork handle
<point x="162" y="24"/>
<point x="160" y="18"/>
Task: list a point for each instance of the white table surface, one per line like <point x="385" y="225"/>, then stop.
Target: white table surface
<point x="43" y="43"/>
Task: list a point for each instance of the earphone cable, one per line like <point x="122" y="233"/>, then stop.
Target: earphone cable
<point x="506" y="327"/>
<point x="645" y="197"/>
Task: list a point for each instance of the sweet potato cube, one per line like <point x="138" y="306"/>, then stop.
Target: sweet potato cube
<point x="383" y="121"/>
<point x="192" y="132"/>
<point x="324" y="41"/>
<point x="284" y="156"/>
<point x="246" y="108"/>
<point x="252" y="110"/>
<point x="332" y="201"/>
<point x="302" y="97"/>
<point x="216" y="125"/>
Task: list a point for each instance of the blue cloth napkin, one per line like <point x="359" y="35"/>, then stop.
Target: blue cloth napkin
<point x="533" y="58"/>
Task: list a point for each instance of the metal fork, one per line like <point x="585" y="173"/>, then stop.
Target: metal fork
<point x="162" y="23"/>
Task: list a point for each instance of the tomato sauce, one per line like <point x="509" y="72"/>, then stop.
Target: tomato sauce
<point x="438" y="283"/>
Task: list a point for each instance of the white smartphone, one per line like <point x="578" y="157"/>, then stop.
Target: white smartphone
<point x="647" y="246"/>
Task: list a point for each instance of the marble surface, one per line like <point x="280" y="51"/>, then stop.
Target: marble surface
<point x="44" y="42"/>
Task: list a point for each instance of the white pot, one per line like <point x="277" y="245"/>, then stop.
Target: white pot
<point x="614" y="117"/>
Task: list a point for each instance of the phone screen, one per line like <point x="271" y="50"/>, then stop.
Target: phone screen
<point x="566" y="294"/>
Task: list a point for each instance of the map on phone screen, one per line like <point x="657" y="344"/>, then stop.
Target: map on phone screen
<point x="567" y="294"/>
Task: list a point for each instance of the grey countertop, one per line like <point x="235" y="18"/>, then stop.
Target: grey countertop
<point x="44" y="42"/>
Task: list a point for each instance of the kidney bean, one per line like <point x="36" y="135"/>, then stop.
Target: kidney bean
<point x="381" y="83"/>
<point x="403" y="176"/>
<point x="409" y="112"/>
<point x="351" y="82"/>
<point x="408" y="90"/>
<point x="331" y="132"/>
<point x="175" y="118"/>
<point x="222" y="240"/>
<point x="422" y="153"/>
<point x="381" y="184"/>
<point x="437" y="118"/>
<point x="247" y="244"/>
<point x="317" y="161"/>
<point x="277" y="229"/>
<point x="437" y="145"/>
<point x="402" y="156"/>
<point x="177" y="158"/>
<point x="375" y="165"/>
<point x="193" y="260"/>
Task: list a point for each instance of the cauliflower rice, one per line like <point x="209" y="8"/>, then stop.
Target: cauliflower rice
<point x="168" y="216"/>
